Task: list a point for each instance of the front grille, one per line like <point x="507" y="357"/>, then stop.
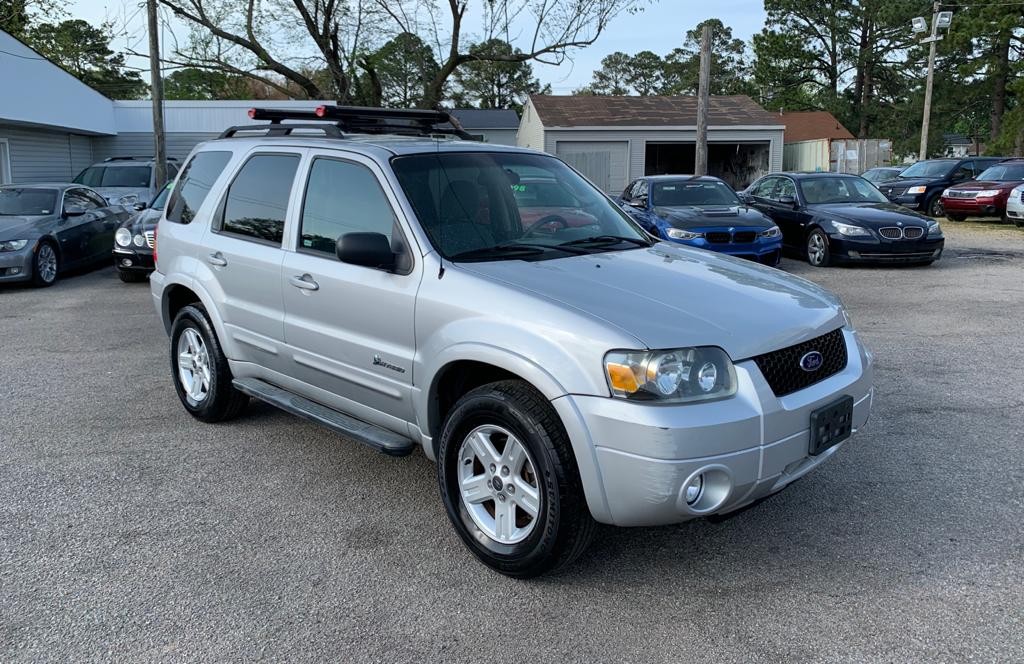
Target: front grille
<point x="891" y="232"/>
<point x="717" y="237"/>
<point x="744" y="236"/>
<point x="954" y="193"/>
<point x="782" y="370"/>
<point x="913" y="232"/>
<point x="904" y="257"/>
<point x="150" y="238"/>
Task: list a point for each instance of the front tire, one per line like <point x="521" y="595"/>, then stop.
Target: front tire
<point x="202" y="377"/>
<point x="818" y="253"/>
<point x="510" y="483"/>
<point x="934" y="207"/>
<point x="45" y="266"/>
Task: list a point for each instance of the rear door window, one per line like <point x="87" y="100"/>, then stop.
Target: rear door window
<point x="257" y="199"/>
<point x="197" y="178"/>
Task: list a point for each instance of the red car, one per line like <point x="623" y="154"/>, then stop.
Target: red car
<point x="986" y="195"/>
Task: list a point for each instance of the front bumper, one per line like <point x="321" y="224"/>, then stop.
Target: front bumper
<point x="764" y="251"/>
<point x="17" y="265"/>
<point x="912" y="201"/>
<point x="642" y="455"/>
<point x="847" y="250"/>
<point x="975" y="207"/>
<point x="134" y="260"/>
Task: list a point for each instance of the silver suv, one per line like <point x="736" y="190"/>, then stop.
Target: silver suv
<point x="402" y="287"/>
<point x="125" y="181"/>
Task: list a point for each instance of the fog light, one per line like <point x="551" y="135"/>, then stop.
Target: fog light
<point x="694" y="489"/>
<point x="14" y="270"/>
<point x="127" y="262"/>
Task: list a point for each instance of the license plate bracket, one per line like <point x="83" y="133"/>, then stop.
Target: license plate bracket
<point x="831" y="425"/>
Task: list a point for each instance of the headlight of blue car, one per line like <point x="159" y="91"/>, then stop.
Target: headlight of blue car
<point x="771" y="232"/>
<point x="13" y="245"/>
<point x="681" y="375"/>
<point x="680" y="234"/>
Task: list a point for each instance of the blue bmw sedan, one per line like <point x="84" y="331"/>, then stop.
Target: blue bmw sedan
<point x="702" y="211"/>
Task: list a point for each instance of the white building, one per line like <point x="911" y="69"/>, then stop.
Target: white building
<point x="613" y="140"/>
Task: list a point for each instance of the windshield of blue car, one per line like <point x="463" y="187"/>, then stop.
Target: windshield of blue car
<point x="934" y="168"/>
<point x="840" y="190"/>
<point x="136" y="177"/>
<point x="27" y="202"/>
<point x="679" y="193"/>
<point x="1003" y="173"/>
<point x="510" y="205"/>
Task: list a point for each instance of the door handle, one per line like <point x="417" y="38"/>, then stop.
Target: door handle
<point x="217" y="259"/>
<point x="305" y="282"/>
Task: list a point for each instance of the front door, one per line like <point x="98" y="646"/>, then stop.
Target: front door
<point x="242" y="256"/>
<point x="350" y="328"/>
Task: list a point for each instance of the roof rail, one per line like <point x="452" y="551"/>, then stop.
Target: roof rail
<point x="138" y="157"/>
<point x="276" y="129"/>
<point x="360" y="120"/>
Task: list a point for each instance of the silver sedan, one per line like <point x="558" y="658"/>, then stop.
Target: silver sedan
<point x="46" y="229"/>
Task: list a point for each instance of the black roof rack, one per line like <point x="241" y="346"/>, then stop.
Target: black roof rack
<point x="138" y="157"/>
<point x="355" y="120"/>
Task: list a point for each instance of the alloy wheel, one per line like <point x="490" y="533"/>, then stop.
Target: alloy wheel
<point x="46" y="263"/>
<point x="816" y="249"/>
<point x="498" y="484"/>
<point x="193" y="365"/>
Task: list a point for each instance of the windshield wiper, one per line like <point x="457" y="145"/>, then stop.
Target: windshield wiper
<point x="604" y="240"/>
<point x="500" y="250"/>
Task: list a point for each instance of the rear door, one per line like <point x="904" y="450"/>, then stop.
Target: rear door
<point x="242" y="254"/>
<point x="350" y="328"/>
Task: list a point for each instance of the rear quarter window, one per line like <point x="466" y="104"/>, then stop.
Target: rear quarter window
<point x="194" y="185"/>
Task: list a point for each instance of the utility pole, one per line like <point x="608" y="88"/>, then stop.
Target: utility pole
<point x="703" y="97"/>
<point x="931" y="40"/>
<point x="156" y="86"/>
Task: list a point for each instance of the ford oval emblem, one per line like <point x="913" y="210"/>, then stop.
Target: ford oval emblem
<point x="811" y="361"/>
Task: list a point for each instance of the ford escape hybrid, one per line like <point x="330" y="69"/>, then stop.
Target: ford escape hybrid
<point x="372" y="271"/>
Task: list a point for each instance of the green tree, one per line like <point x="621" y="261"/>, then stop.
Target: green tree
<point x="488" y="83"/>
<point x="401" y="69"/>
<point x="648" y="73"/>
<point x="614" y="75"/>
<point x="84" y="51"/>
<point x="193" y="83"/>
<point x="729" y="67"/>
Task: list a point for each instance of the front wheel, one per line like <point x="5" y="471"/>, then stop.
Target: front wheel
<point x="510" y="483"/>
<point x="202" y="377"/>
<point x="934" y="207"/>
<point x="818" y="253"/>
<point x="45" y="266"/>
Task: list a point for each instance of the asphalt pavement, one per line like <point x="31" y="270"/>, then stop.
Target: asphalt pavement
<point x="131" y="532"/>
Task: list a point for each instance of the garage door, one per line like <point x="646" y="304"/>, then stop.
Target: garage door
<point x="602" y="162"/>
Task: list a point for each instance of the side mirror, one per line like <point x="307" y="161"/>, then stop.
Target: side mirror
<point x="73" y="210"/>
<point x="638" y="203"/>
<point x="787" y="200"/>
<point x="366" y="249"/>
<point x="744" y="197"/>
<point x="140" y="206"/>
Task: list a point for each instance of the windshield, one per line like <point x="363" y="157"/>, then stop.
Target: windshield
<point x="692" y="192"/>
<point x="840" y="190"/>
<point x="508" y="205"/>
<point x="1003" y="173"/>
<point x="27" y="202"/>
<point x="115" y="176"/>
<point x="161" y="199"/>
<point x="935" y="168"/>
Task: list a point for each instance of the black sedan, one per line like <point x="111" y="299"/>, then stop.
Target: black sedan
<point x="135" y="240"/>
<point x="835" y="218"/>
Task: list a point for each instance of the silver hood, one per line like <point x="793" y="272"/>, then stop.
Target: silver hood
<point x="668" y="297"/>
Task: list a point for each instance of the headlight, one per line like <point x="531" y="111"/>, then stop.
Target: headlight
<point x="123" y="237"/>
<point x="671" y="376"/>
<point x="139" y="241"/>
<point x="916" y="190"/>
<point x="986" y="193"/>
<point x="13" y="245"/>
<point x="771" y="232"/>
<point x="934" y="230"/>
<point x="945" y="193"/>
<point x="1015" y="193"/>
<point x="680" y="234"/>
<point x="850" y="230"/>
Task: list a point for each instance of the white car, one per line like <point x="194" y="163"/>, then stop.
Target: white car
<point x="1015" y="206"/>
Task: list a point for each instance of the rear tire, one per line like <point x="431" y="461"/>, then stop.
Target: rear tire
<point x="956" y="217"/>
<point x="45" y="265"/>
<point x="542" y="525"/>
<point x="202" y="377"/>
<point x="818" y="252"/>
<point x="131" y="276"/>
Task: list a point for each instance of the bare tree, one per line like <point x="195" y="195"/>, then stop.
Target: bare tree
<point x="287" y="39"/>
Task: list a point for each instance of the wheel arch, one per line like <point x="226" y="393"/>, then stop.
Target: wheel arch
<point x="178" y="294"/>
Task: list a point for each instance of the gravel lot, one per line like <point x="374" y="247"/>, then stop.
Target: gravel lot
<point x="130" y="532"/>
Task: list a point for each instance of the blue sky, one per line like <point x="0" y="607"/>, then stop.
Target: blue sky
<point x="660" y="28"/>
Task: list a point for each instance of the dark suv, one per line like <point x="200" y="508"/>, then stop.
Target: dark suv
<point x="920" y="187"/>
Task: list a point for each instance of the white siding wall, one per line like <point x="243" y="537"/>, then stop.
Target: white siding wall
<point x="605" y="163"/>
<point x="806" y="155"/>
<point x="179" y="144"/>
<point x="38" y="155"/>
<point x="495" y="136"/>
<point x="531" y="130"/>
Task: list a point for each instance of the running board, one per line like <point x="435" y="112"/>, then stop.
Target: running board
<point x="376" y="437"/>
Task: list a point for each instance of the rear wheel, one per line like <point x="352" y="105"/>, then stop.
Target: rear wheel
<point x="956" y="217"/>
<point x="818" y="253"/>
<point x="202" y="377"/>
<point x="45" y="266"/>
<point x="934" y="207"/>
<point x="510" y="483"/>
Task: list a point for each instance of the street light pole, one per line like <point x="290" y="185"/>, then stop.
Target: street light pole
<point x="932" y="39"/>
